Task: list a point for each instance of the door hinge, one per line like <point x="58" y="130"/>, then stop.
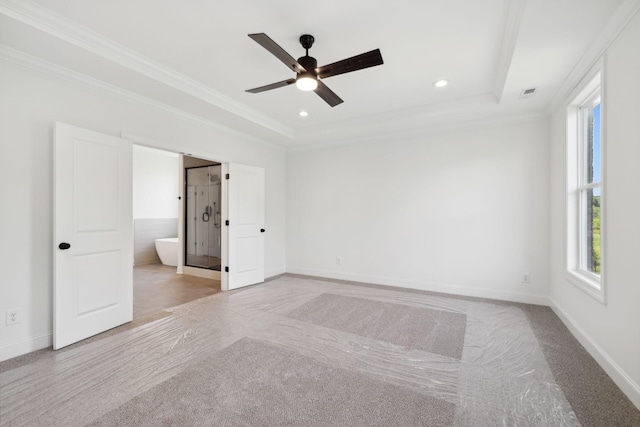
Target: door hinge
<point x="226" y="222"/>
<point x="226" y="269"/>
<point x="227" y="176"/>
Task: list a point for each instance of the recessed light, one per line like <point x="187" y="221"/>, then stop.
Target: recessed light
<point x="440" y="83"/>
<point x="303" y="113"/>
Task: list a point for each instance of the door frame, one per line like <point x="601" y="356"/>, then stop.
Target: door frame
<point x="184" y="151"/>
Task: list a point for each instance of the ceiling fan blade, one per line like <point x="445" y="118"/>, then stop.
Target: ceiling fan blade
<point x="265" y="41"/>
<point x="271" y="86"/>
<point x="327" y="94"/>
<point x="359" y="62"/>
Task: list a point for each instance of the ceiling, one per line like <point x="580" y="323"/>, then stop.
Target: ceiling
<point x="195" y="57"/>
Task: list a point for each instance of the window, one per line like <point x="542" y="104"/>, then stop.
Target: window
<point x="584" y="189"/>
<point x="589" y="186"/>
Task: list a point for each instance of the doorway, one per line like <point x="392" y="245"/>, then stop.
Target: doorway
<point x="157" y="204"/>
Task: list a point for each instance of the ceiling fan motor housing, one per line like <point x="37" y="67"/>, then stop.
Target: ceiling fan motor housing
<point x="309" y="63"/>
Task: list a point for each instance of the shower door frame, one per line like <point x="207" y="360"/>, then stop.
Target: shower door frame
<point x="183" y="268"/>
<point x="186" y="212"/>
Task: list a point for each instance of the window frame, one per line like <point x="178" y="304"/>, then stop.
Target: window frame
<point x="585" y="96"/>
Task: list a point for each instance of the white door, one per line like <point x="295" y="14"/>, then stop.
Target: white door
<point x="93" y="216"/>
<point x="246" y="225"/>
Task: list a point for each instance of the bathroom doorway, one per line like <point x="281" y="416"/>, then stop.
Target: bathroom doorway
<point x="240" y="215"/>
<point x="203" y="214"/>
<point x="158" y="196"/>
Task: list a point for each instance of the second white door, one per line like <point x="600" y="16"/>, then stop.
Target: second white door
<point x="246" y="225"/>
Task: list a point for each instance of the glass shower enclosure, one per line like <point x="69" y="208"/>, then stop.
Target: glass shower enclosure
<point x="203" y="217"/>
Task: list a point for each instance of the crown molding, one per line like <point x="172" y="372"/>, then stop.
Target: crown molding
<point x="404" y="118"/>
<point x="614" y="26"/>
<point x="40" y="18"/>
<point x="10" y="55"/>
<point x="421" y="132"/>
<point x="511" y="32"/>
<point x="407" y="123"/>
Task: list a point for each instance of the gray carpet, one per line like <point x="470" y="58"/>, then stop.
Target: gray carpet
<point x="257" y="384"/>
<point x="434" y="331"/>
<point x="593" y="395"/>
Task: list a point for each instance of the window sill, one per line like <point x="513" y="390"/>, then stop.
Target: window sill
<point x="587" y="285"/>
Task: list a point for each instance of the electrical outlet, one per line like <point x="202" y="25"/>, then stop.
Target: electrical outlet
<point x="526" y="278"/>
<point x="13" y="317"/>
<point x="338" y="261"/>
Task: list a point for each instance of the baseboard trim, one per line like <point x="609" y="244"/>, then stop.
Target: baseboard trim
<point x="522" y="297"/>
<point x="38" y="342"/>
<point x="617" y="374"/>
<point x="272" y="274"/>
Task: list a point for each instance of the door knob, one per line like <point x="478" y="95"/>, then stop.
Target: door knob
<point x="64" y="246"/>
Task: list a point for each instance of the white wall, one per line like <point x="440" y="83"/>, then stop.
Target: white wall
<point x="463" y="212"/>
<point x="156" y="178"/>
<point x="30" y="104"/>
<point x="611" y="331"/>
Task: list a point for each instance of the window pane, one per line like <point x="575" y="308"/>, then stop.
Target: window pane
<point x="593" y="144"/>
<point x="591" y="245"/>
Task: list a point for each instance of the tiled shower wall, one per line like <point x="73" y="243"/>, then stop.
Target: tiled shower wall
<point x="146" y="231"/>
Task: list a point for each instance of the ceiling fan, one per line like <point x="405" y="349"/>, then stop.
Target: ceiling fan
<point x="308" y="74"/>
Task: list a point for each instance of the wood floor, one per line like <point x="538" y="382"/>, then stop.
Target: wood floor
<point x="157" y="287"/>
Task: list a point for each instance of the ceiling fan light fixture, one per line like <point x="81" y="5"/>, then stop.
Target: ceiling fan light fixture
<point x="306" y="82"/>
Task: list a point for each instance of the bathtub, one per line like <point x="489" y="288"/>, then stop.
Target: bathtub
<point x="168" y="250"/>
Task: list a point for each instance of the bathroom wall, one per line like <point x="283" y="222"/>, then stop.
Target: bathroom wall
<point x="156" y="177"/>
<point x="145" y="233"/>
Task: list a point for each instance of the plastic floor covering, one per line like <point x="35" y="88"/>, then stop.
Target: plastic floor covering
<point x="479" y="358"/>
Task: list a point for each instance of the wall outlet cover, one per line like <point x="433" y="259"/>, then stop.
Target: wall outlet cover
<point x="13" y="317"/>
